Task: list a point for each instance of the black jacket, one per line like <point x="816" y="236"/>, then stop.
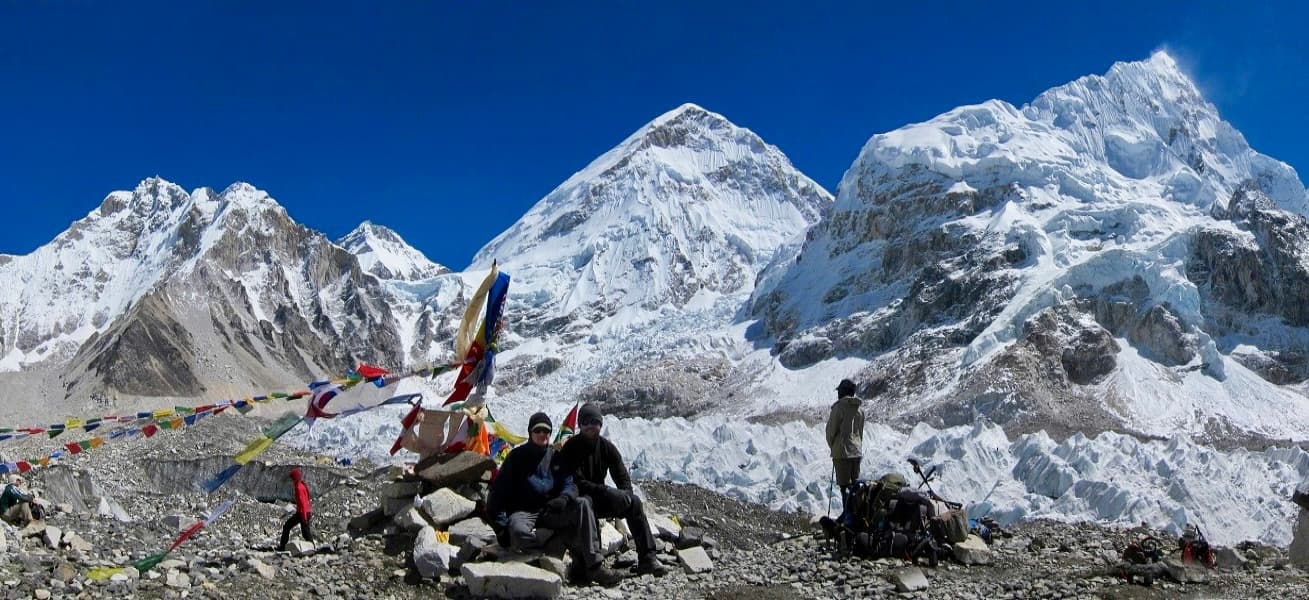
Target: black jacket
<point x="591" y="460"/>
<point x="526" y="482"/>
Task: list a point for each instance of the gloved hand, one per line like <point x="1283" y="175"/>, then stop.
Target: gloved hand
<point x="557" y="504"/>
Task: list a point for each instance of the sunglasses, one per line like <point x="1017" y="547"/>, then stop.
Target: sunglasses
<point x="588" y="422"/>
<point x="541" y="430"/>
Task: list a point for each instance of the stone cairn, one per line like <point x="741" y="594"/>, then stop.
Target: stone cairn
<point x="435" y="511"/>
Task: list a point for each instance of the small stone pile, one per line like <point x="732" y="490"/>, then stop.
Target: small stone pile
<point x="434" y="511"/>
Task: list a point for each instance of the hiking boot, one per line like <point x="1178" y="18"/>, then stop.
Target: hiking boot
<point x="649" y="565"/>
<point x="602" y="575"/>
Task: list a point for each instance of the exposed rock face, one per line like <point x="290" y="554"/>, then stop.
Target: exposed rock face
<point x="1249" y="275"/>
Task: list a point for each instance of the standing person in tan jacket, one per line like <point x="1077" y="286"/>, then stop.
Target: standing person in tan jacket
<point x="845" y="436"/>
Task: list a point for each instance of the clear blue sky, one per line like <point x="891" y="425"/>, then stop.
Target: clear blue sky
<point x="446" y="120"/>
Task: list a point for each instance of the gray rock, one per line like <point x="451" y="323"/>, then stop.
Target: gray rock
<point x="173" y="523"/>
<point x="972" y="551"/>
<point x="410" y="520"/>
<point x="366" y="522"/>
<point x="663" y="527"/>
<point x="75" y="542"/>
<point x="553" y="565"/>
<point x="611" y="541"/>
<point x="909" y="579"/>
<point x="1230" y="558"/>
<point x="177" y="579"/>
<point x="471" y="528"/>
<point x="109" y="508"/>
<point x="401" y="489"/>
<point x="1185" y="572"/>
<point x="51" y="536"/>
<point x="695" y="560"/>
<point x="393" y="506"/>
<point x="300" y="548"/>
<point x="431" y="557"/>
<point x="447" y="470"/>
<point x="444" y="507"/>
<point x="510" y="580"/>
<point x="266" y="571"/>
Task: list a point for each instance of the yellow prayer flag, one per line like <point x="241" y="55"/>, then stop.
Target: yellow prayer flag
<point x="72" y="423"/>
<point x="503" y="433"/>
<point x="443" y="537"/>
<point x="162" y="414"/>
<point x="103" y="573"/>
<point x="255" y="448"/>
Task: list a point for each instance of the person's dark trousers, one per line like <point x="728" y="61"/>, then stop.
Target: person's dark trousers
<point x="577" y="523"/>
<point x="613" y="503"/>
<point x="290" y="524"/>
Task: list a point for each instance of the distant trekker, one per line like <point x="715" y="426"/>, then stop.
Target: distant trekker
<point x="302" y="511"/>
<point x="15" y="504"/>
<point x="845" y="435"/>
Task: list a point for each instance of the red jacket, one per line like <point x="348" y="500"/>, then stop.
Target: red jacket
<point x="301" y="495"/>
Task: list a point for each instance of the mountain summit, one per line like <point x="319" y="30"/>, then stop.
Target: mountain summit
<point x="1073" y="264"/>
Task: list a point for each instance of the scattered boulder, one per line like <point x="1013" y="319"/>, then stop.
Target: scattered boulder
<point x="972" y="551"/>
<point x="554" y="565"/>
<point x="410" y="520"/>
<point x="300" y="548"/>
<point x="663" y="527"/>
<point x="108" y="508"/>
<point x="1230" y="558"/>
<point x="695" y="560"/>
<point x="611" y="541"/>
<point x="909" y="579"/>
<point x="431" y="557"/>
<point x="443" y="470"/>
<point x="366" y="522"/>
<point x="445" y="507"/>
<point x="174" y="523"/>
<point x="471" y="528"/>
<point x="510" y="580"/>
<point x="52" y="536"/>
<point x="266" y="571"/>
<point x="690" y="537"/>
<point x="1185" y="572"/>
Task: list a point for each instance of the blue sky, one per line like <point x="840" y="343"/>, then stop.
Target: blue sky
<point x="447" y="120"/>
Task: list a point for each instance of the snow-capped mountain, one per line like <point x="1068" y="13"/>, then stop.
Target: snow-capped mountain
<point x="1112" y="255"/>
<point x="385" y="255"/>
<point x="632" y="270"/>
<point x="161" y="293"/>
<point x="209" y="294"/>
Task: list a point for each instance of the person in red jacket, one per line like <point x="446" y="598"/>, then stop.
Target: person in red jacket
<point x="302" y="511"/>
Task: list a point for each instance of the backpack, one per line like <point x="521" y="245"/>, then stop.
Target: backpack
<point x="888" y="488"/>
<point x="950" y="526"/>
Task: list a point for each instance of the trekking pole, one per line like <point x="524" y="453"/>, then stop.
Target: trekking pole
<point x="831" y="483"/>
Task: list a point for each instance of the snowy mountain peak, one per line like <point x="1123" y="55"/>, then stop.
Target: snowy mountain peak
<point x="386" y="255"/>
<point x="1091" y="225"/>
<point x="687" y="203"/>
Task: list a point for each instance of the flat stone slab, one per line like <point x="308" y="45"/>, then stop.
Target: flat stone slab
<point x="510" y="580"/>
<point x="909" y="579"/>
<point x="695" y="560"/>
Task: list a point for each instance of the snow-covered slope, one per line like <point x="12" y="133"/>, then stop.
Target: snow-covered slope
<point x="384" y="254"/>
<point x="1073" y="264"/>
<point x="1111" y="478"/>
<point x="168" y="294"/>
<point x="634" y="269"/>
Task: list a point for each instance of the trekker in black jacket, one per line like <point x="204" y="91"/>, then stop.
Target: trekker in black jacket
<point x="534" y="498"/>
<point x="594" y="457"/>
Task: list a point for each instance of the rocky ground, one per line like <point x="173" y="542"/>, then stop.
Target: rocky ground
<point x="757" y="553"/>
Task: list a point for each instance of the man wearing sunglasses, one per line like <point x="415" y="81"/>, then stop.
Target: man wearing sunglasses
<point x="594" y="458"/>
<point x="534" y="498"/>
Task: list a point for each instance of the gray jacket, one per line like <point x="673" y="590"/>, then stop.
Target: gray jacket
<point x="845" y="428"/>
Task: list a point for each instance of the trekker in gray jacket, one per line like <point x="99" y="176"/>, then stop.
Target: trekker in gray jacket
<point x="845" y="435"/>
